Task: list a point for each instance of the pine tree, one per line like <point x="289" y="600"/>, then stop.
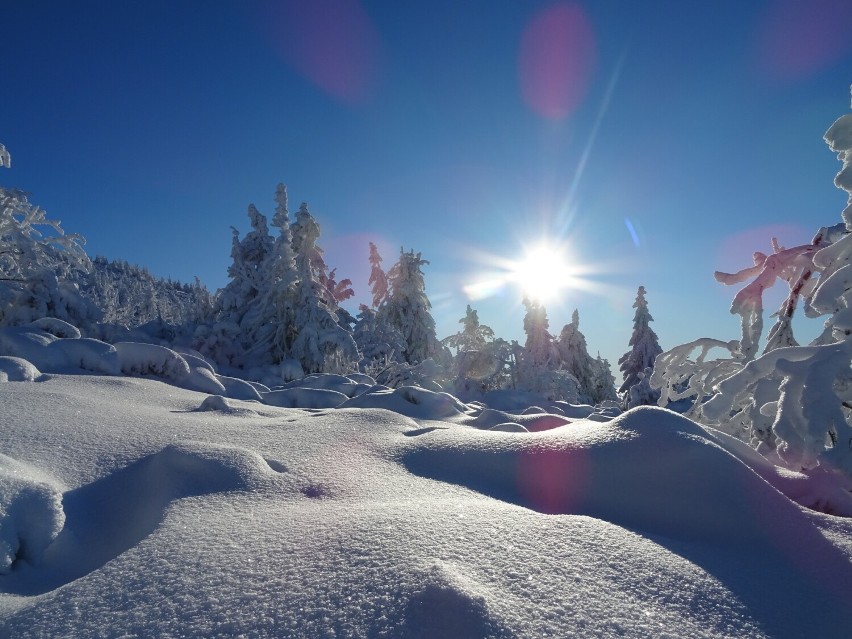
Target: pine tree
<point x="407" y="308"/>
<point x="645" y="346"/>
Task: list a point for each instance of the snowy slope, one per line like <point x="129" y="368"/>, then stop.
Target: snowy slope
<point x="141" y="516"/>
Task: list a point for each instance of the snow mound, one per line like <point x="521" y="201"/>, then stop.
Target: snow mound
<point x="83" y="353"/>
<point x="15" y="369"/>
<point x="410" y="401"/>
<point x="113" y="514"/>
<point x="650" y="470"/>
<point x="57" y="327"/>
<point x="31" y="514"/>
<point x="238" y="388"/>
<point x="449" y="605"/>
<point x="136" y="358"/>
<point x="26" y="342"/>
<point x="534" y="421"/>
<point x="509" y="427"/>
<point x="219" y="404"/>
<point x="304" y="398"/>
<point x="516" y="401"/>
<point x="214" y="402"/>
<point x="327" y="381"/>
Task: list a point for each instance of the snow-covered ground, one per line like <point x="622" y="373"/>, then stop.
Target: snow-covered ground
<point x="132" y="507"/>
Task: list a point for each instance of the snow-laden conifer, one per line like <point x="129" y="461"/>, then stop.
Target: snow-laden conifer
<point x="575" y="358"/>
<point x="238" y="308"/>
<point x="473" y="336"/>
<point x="407" y="307"/>
<point x="320" y="343"/>
<point x="538" y="371"/>
<point x="274" y="329"/>
<point x="644" y="345"/>
<point x="379" y="342"/>
<point x="603" y="383"/>
<point x="378" y="281"/>
<point x="540" y="353"/>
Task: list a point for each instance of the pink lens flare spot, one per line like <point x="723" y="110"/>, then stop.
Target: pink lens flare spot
<point x="333" y="44"/>
<point x="557" y="59"/>
<point x="552" y="481"/>
<point x="798" y="39"/>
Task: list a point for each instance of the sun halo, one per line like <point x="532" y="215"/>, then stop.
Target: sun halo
<point x="543" y="272"/>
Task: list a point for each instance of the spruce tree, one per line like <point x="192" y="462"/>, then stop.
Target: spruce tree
<point x="275" y="329"/>
<point x="320" y="343"/>
<point x="407" y="307"/>
<point x="473" y="336"/>
<point x="378" y="279"/>
<point x="644" y="345"/>
<point x="575" y="356"/>
<point x="539" y="350"/>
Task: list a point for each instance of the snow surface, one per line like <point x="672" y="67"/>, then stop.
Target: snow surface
<point x="131" y="507"/>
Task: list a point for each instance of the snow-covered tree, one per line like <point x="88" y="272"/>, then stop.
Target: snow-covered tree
<point x="274" y="328"/>
<point x="793" y="402"/>
<point x="407" y="308"/>
<point x="473" y="336"/>
<point x="238" y="301"/>
<point x="337" y="291"/>
<point x="540" y="352"/>
<point x="538" y="370"/>
<point x="379" y="342"/>
<point x="378" y="281"/>
<point x="320" y="343"/>
<point x="644" y="345"/>
<point x="574" y="356"/>
<point x="39" y="263"/>
<point x="603" y="383"/>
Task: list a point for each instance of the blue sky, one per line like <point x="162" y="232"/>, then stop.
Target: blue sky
<point x="658" y="141"/>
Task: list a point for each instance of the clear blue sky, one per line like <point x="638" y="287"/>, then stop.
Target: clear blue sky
<point x="660" y="140"/>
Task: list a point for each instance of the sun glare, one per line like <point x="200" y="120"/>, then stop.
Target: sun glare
<point x="543" y="272"/>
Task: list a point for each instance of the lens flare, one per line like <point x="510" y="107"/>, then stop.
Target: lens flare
<point x="543" y="272"/>
<point x="800" y="39"/>
<point x="557" y="59"/>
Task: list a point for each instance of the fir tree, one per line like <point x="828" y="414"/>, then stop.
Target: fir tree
<point x="643" y="342"/>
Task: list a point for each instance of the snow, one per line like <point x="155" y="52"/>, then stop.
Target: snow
<point x="133" y="507"/>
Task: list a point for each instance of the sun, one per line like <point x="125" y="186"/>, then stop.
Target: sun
<point x="543" y="272"/>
